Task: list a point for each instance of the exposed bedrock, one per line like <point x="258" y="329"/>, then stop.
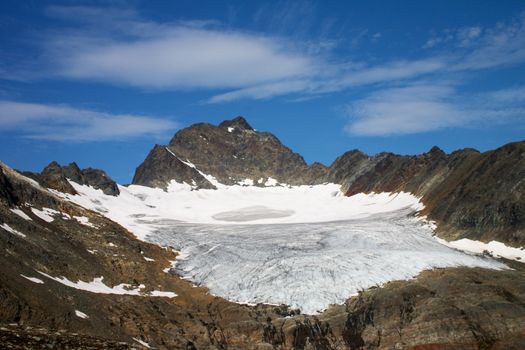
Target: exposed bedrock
<point x="469" y="194"/>
<point x="56" y="177"/>
<point x="231" y="152"/>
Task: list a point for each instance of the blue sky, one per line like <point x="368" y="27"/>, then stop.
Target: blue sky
<point x="100" y="82"/>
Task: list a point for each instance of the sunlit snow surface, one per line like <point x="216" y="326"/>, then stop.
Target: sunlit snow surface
<point x="307" y="247"/>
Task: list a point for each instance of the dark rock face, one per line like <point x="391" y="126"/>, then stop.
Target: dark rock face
<point x="231" y="152"/>
<point x="161" y="166"/>
<point x="6" y="190"/>
<point x="441" y="309"/>
<point x="99" y="179"/>
<point x="238" y="123"/>
<point x="470" y="194"/>
<point x="54" y="176"/>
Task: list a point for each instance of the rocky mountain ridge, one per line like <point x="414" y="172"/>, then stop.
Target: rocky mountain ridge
<point x="56" y="177"/>
<point x="230" y="152"/>
<point x="469" y="194"/>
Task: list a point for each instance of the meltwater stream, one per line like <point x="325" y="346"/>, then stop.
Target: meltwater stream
<point x="311" y="265"/>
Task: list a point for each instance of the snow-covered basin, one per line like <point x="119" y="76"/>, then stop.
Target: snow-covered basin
<point x="304" y="246"/>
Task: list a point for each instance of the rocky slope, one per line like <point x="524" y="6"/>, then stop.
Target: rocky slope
<point x="473" y="195"/>
<point x="231" y="152"/>
<point x="56" y="177"/>
<point x="458" y="308"/>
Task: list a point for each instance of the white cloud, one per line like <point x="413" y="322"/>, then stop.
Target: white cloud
<point x="427" y="107"/>
<point x="121" y="48"/>
<point x="264" y="91"/>
<point x="185" y="58"/>
<point x="351" y="76"/>
<point x="510" y="95"/>
<point x="404" y="111"/>
<point x="63" y="123"/>
<point x="467" y="35"/>
<point x="477" y="49"/>
<point x="500" y="46"/>
<point x="388" y="72"/>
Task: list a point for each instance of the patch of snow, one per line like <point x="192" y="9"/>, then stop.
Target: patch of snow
<point x="271" y="182"/>
<point x="494" y="248"/>
<point x="21" y="214"/>
<point x="246" y="182"/>
<point x="260" y="181"/>
<point x="84" y="221"/>
<point x="46" y="214"/>
<point x="19" y="176"/>
<point x="92" y="251"/>
<point x="210" y="178"/>
<point x="81" y="314"/>
<point x="230" y="129"/>
<point x="158" y="293"/>
<point x="143" y="343"/>
<point x="112" y="244"/>
<point x="33" y="279"/>
<point x="256" y="212"/>
<point x="142" y="210"/>
<point x="97" y="286"/>
<point x="148" y="259"/>
<point x="12" y="230"/>
<point x="191" y="165"/>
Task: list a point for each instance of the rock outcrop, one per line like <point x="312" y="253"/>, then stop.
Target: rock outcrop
<point x="56" y="177"/>
<point x="231" y="152"/>
<point x="469" y="194"/>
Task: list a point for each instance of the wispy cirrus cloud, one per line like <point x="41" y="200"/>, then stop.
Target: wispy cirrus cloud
<point x="461" y="37"/>
<point x="64" y="123"/>
<point x="474" y="48"/>
<point x="340" y="78"/>
<point x="424" y="103"/>
<point x="423" y="107"/>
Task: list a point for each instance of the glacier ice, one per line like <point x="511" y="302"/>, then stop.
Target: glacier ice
<point x="311" y="265"/>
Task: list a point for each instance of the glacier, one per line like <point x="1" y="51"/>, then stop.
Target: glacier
<point x="304" y="246"/>
<point x="308" y="266"/>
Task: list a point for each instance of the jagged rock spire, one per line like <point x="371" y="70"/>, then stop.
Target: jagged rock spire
<point x="237" y="122"/>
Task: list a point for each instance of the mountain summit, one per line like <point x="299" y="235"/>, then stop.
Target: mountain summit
<point x="466" y="192"/>
<point x="236" y="123"/>
<point x="230" y="153"/>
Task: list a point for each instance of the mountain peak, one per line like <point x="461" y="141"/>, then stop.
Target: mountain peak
<point x="237" y="122"/>
<point x="436" y="150"/>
